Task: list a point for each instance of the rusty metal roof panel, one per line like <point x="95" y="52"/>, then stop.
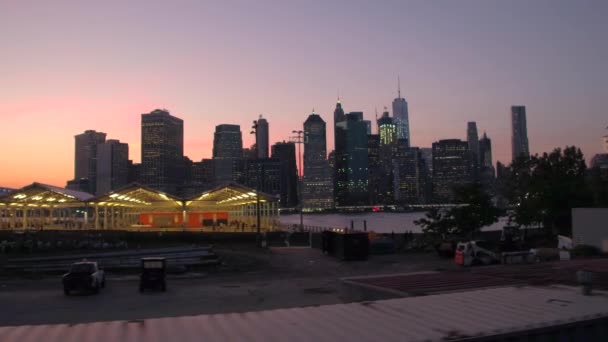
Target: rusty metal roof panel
<point x="481" y="313"/>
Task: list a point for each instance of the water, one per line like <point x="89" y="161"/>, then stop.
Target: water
<point x="378" y="222"/>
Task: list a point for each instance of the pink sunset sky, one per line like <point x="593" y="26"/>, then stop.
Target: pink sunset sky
<point x="69" y="66"/>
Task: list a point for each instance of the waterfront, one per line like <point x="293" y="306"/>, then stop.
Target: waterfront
<point x="379" y="222"/>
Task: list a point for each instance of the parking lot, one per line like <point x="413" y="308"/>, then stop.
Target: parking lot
<point x="249" y="281"/>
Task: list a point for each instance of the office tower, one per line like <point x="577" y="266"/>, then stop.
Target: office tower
<point x="227" y="153"/>
<point x="427" y="155"/>
<point x="485" y="151"/>
<point x="411" y="179"/>
<point x="519" y="137"/>
<point x="381" y="150"/>
<point x="162" y="150"/>
<point x="227" y="142"/>
<point x="338" y="117"/>
<point x="401" y="116"/>
<point x="486" y="167"/>
<point x="85" y="165"/>
<point x="317" y="192"/>
<point x="263" y="174"/>
<point x="250" y="153"/>
<point x="262" y="137"/>
<point x="387" y="130"/>
<point x="368" y="126"/>
<point x="351" y="161"/>
<point x="335" y="158"/>
<point x="473" y="140"/>
<point x="451" y="167"/>
<point x="285" y="153"/>
<point x="374" y="168"/>
<point x="112" y="166"/>
<point x="134" y="172"/>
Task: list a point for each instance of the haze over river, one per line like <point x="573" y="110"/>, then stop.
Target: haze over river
<point x="379" y="222"/>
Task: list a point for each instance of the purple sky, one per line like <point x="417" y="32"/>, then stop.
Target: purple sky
<point x="67" y="67"/>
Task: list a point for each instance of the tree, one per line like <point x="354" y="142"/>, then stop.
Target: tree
<point x="476" y="211"/>
<point x="436" y="223"/>
<point x="544" y="189"/>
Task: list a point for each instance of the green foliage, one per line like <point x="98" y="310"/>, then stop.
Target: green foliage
<point x="436" y="223"/>
<point x="544" y="189"/>
<point x="476" y="211"/>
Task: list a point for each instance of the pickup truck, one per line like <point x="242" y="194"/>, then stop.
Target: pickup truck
<point x="85" y="275"/>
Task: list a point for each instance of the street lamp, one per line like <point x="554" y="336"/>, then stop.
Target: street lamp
<point x="299" y="139"/>
<point x="254" y="130"/>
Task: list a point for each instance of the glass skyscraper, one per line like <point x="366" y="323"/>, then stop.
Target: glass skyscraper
<point x="317" y="189"/>
<point x="162" y="150"/>
<point x="85" y="166"/>
<point x="112" y="166"/>
<point x="227" y="153"/>
<point x="451" y="167"/>
<point x="401" y="117"/>
<point x="519" y="137"/>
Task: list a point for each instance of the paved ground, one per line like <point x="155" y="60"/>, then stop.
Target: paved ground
<point x="559" y="272"/>
<point x="249" y="281"/>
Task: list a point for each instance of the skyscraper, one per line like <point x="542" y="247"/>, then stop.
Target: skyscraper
<point x="112" y="166"/>
<point x="351" y="164"/>
<point x="338" y="117"/>
<point x="519" y="137"/>
<point x="262" y="138"/>
<point x="451" y="167"/>
<point x="411" y="181"/>
<point x="227" y="153"/>
<point x="473" y="140"/>
<point x="85" y="166"/>
<point x="374" y="169"/>
<point x="162" y="150"/>
<point x="401" y="116"/>
<point x="317" y="192"/>
<point x="285" y="153"/>
<point x="485" y="151"/>
<point x="486" y="168"/>
<point x="387" y="130"/>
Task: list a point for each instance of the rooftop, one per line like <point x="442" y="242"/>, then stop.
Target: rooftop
<point x="455" y="316"/>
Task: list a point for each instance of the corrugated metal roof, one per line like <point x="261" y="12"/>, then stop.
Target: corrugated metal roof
<point x="36" y="188"/>
<point x="428" y="318"/>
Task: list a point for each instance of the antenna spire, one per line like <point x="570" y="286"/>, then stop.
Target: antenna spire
<point x="398" y="87"/>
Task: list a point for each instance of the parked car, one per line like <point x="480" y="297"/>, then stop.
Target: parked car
<point x="84" y="276"/>
<point x="153" y="274"/>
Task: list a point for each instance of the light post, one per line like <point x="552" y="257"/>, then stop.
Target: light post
<point x="299" y="139"/>
<point x="254" y="130"/>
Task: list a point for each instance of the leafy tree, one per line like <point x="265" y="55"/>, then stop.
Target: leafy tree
<point x="476" y="211"/>
<point x="544" y="189"/>
<point x="436" y="223"/>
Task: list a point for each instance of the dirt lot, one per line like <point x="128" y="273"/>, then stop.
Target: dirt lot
<point x="249" y="280"/>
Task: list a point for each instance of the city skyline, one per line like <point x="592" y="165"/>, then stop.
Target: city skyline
<point x="96" y="76"/>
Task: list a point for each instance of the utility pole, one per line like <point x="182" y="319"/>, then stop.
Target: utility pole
<point x="254" y="131"/>
<point x="299" y="140"/>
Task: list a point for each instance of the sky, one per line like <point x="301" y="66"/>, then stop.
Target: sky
<point x="70" y="66"/>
